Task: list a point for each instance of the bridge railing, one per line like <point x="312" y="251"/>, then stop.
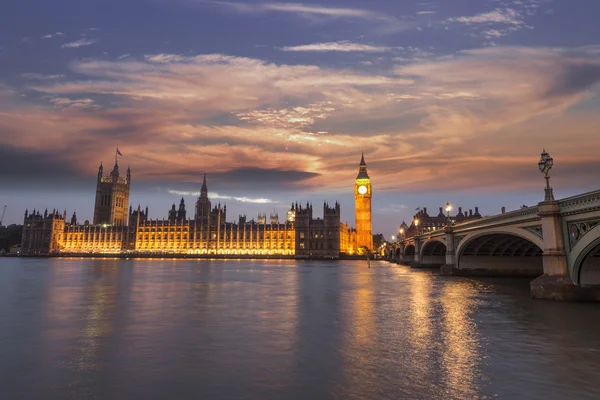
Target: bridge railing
<point x="523" y="214"/>
<point x="581" y="201"/>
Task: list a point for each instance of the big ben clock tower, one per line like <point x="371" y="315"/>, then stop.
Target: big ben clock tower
<point x="362" y="198"/>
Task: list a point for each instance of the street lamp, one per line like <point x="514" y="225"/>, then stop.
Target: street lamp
<point x="545" y="165"/>
<point x="401" y="233"/>
<point x="416" y="222"/>
<point x="448" y="209"/>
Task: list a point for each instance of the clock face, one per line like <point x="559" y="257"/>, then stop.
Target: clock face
<point x="362" y="189"/>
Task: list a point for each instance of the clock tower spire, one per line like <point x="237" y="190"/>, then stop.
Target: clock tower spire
<point x="362" y="200"/>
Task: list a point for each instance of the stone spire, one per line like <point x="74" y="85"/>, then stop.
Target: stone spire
<point x="362" y="168"/>
<point x="204" y="190"/>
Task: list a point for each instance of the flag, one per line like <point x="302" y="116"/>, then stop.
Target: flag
<point x="418" y="209"/>
<point x="118" y="152"/>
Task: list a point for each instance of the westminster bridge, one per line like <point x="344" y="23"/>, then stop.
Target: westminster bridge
<point x="556" y="241"/>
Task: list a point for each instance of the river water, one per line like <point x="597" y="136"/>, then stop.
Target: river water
<point x="157" y="329"/>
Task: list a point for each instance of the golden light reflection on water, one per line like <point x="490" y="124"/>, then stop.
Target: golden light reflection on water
<point x="98" y="324"/>
<point x="363" y="307"/>
<point x="461" y="345"/>
<point x="420" y="311"/>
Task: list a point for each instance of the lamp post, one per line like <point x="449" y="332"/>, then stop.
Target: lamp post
<point x="448" y="209"/>
<point x="416" y="222"/>
<point x="545" y="165"/>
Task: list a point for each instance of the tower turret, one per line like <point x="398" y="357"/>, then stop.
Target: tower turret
<point x="203" y="209"/>
<point x="181" y="213"/>
<point x="172" y="214"/>
<point x="112" y="197"/>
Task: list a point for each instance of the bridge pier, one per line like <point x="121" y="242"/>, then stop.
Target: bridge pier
<point x="555" y="283"/>
<point x="450" y="264"/>
<point x="401" y="253"/>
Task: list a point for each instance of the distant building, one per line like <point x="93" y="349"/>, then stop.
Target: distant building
<point x="428" y="223"/>
<point x="120" y="230"/>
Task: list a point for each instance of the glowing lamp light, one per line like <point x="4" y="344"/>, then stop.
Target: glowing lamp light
<point x="448" y="208"/>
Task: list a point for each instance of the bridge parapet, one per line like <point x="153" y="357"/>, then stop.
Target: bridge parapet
<point x="522" y="215"/>
<point x="586" y="202"/>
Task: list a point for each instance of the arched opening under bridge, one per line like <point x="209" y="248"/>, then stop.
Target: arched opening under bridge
<point x="500" y="254"/>
<point x="589" y="270"/>
<point x="433" y="253"/>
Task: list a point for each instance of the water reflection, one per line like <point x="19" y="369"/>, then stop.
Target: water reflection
<point x="98" y="319"/>
<point x="460" y="341"/>
<point x="124" y="329"/>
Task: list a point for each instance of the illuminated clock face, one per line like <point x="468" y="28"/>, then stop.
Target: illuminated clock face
<point x="362" y="189"/>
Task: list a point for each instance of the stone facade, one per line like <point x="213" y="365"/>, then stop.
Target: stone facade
<point x="112" y="197"/>
<point x="362" y="200"/>
<point x="207" y="233"/>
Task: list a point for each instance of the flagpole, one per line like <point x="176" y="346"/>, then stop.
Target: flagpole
<point x="116" y="155"/>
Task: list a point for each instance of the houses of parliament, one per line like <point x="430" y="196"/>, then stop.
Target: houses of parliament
<point x="119" y="229"/>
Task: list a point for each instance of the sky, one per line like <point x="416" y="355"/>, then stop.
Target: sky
<point x="450" y="101"/>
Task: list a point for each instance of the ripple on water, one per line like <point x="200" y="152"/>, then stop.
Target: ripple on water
<point x="284" y="329"/>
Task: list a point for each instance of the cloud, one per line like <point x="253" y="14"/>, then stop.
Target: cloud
<point x="216" y="196"/>
<point x="493" y="33"/>
<point x="44" y="167"/>
<point x="426" y="12"/>
<point x="389" y="24"/>
<point x="63" y="102"/>
<point x="298" y="8"/>
<point x="341" y="46"/>
<point x="48" y="36"/>
<point x="123" y="56"/>
<point x="393" y="208"/>
<point x="297" y="117"/>
<point x="41" y="77"/>
<point x="256" y="125"/>
<point x="78" y="43"/>
<point x="59" y="34"/>
<point x="498" y="16"/>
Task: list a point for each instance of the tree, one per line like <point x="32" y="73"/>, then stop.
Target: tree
<point x="10" y="236"/>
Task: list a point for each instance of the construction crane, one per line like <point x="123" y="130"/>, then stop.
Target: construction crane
<point x="2" y="217"/>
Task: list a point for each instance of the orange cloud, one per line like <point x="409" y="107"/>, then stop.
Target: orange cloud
<point x="476" y="118"/>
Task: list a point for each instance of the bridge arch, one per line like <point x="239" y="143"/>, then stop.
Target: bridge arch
<point x="585" y="269"/>
<point x="409" y="250"/>
<point x="510" y="251"/>
<point x="433" y="253"/>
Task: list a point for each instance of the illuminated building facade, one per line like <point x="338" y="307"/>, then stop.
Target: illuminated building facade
<point x="112" y="197"/>
<point x="131" y="232"/>
<point x="362" y="200"/>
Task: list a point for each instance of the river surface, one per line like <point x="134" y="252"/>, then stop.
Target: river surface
<point x="202" y="329"/>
